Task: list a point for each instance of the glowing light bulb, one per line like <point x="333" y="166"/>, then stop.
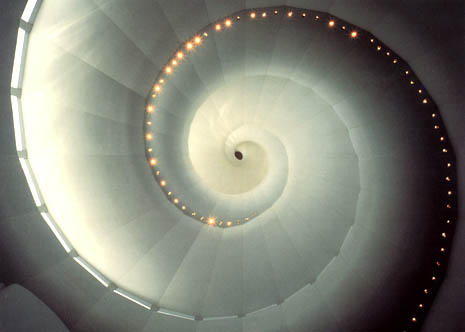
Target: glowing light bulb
<point x="443" y="249"/>
<point x="217" y="27"/>
<point x="441" y="138"/>
<point x="420" y="91"/>
<point x="153" y="162"/>
<point x="211" y="221"/>
<point x="331" y="23"/>
<point x="193" y="214"/>
<point x="444" y="150"/>
<point x="253" y="15"/>
<point x="425" y="291"/>
<point x="304" y="14"/>
<point x="436" y="127"/>
<point x="264" y="14"/>
<point x="162" y="183"/>
<point x="180" y="55"/>
<point x="414" y="319"/>
<point x="238" y="18"/>
<point x="169" y="193"/>
<point x="176" y="200"/>
<point x="443" y="235"/>
<point x="198" y="39"/>
<point x="202" y="218"/>
<point x="378" y="48"/>
<point x="157" y="88"/>
<point x="227" y="23"/>
<point x="183" y="207"/>
<point x="189" y="46"/>
<point x="150" y="108"/>
<point x="394" y="61"/>
<point x="229" y="223"/>
<point x="205" y="34"/>
<point x="372" y="40"/>
<point x="406" y="72"/>
<point x="420" y="305"/>
<point x="174" y="62"/>
<point x="157" y="172"/>
<point x="425" y="101"/>
<point x="388" y="53"/>
<point x="353" y="34"/>
<point x="317" y="17"/>
<point x="433" y="278"/>
<point x="149" y="150"/>
<point x="449" y="164"/>
<point x="412" y="82"/>
<point x="276" y="12"/>
<point x="168" y="70"/>
<point x="289" y="14"/>
<point x="149" y="136"/>
<point x="447" y="178"/>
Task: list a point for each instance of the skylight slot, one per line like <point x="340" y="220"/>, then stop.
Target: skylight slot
<point x="31" y="4"/>
<point x="175" y="314"/>
<point x="97" y="275"/>
<point x="30" y="181"/>
<point x="56" y="231"/>
<point x="18" y="58"/>
<point x="133" y="298"/>
<point x="17" y="123"/>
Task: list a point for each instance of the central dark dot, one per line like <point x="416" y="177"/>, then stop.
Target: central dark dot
<point x="238" y="155"/>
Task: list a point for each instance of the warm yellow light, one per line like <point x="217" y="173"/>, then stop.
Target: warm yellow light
<point x="414" y="319"/>
<point x="180" y="55"/>
<point x="176" y="200"/>
<point x="420" y="305"/>
<point x="378" y="48"/>
<point x="227" y="23"/>
<point x="202" y="218"/>
<point x="448" y="221"/>
<point x="253" y="15"/>
<point x="238" y="18"/>
<point x="433" y="278"/>
<point x="217" y="27"/>
<point x="168" y="70"/>
<point x="157" y="88"/>
<point x="149" y="137"/>
<point x="198" y="39"/>
<point x="149" y="150"/>
<point x="264" y="14"/>
<point x="443" y="249"/>
<point x="449" y="164"/>
<point x="406" y="72"/>
<point x="425" y="290"/>
<point x="444" y="150"/>
<point x="412" y="82"/>
<point x="162" y="183"/>
<point x="276" y="12"/>
<point x="205" y="34"/>
<point x="211" y="221"/>
<point x="372" y="40"/>
<point x="189" y="46"/>
<point x="436" y="127"/>
<point x="441" y="138"/>
<point x="169" y="193"/>
<point x="183" y="207"/>
<point x="304" y="14"/>
<point x="425" y="101"/>
<point x="317" y="17"/>
<point x="154" y="95"/>
<point x="289" y="14"/>
<point x="448" y="206"/>
<point x="343" y="27"/>
<point x="438" y="263"/>
<point x="331" y="23"/>
<point x="193" y="214"/>
<point x="443" y="235"/>
<point x="153" y="161"/>
<point x="449" y="193"/>
<point x="388" y="53"/>
<point x="394" y="61"/>
<point x="229" y="223"/>
<point x="174" y="62"/>
<point x="447" y="178"/>
<point x="150" y="108"/>
<point x="157" y="172"/>
<point x="420" y="91"/>
<point x="353" y="34"/>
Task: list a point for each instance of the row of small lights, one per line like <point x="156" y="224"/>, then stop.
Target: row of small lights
<point x="448" y="164"/>
<point x="354" y="34"/>
<point x="180" y="55"/>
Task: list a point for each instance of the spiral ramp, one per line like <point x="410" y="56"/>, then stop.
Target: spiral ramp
<point x="326" y="219"/>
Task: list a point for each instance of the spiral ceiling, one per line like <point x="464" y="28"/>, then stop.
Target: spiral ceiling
<point x="233" y="166"/>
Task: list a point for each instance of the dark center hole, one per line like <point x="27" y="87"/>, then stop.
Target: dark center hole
<point x="238" y="155"/>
